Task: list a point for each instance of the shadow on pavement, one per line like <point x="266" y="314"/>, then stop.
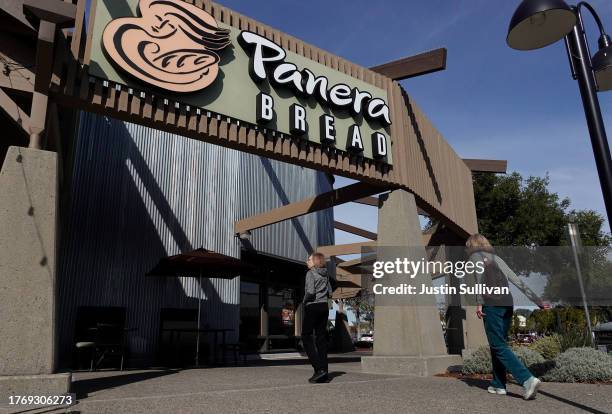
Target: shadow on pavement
<point x="83" y="387"/>
<point x="572" y="403"/>
<point x="334" y="374"/>
<point x="300" y="361"/>
<point x="483" y="384"/>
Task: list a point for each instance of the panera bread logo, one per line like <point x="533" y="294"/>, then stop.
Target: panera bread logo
<point x="173" y="45"/>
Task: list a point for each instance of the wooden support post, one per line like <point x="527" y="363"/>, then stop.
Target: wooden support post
<point x="489" y="166"/>
<point x="412" y="66"/>
<point x="355" y="230"/>
<point x="308" y="205"/>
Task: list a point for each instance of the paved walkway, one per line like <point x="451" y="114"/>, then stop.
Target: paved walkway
<point x="284" y="389"/>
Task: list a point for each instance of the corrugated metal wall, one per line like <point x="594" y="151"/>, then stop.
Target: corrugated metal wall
<point x="267" y="184"/>
<point x="139" y="194"/>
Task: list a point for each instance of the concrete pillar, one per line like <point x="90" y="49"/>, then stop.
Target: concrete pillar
<point x="454" y="317"/>
<point x="474" y="335"/>
<point x="408" y="335"/>
<point x="28" y="216"/>
<point x="469" y="333"/>
<point x="465" y="332"/>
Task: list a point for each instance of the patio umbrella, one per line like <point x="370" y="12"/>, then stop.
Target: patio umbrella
<point x="200" y="263"/>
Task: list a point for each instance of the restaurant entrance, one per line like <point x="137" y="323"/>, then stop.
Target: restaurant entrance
<point x="270" y="303"/>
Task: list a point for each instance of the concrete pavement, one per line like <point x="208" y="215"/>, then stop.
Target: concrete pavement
<point x="283" y="388"/>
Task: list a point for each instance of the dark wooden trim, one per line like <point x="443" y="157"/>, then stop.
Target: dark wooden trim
<point x="347" y="263"/>
<point x="369" y="201"/>
<point x="15" y="112"/>
<point x="58" y="12"/>
<point x="308" y="205"/>
<point x="490" y="166"/>
<point x="355" y="230"/>
<point x="411" y="66"/>
<point x="342" y="249"/>
<point x="373" y="201"/>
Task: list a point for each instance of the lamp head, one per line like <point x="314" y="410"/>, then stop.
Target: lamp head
<point x="538" y="23"/>
<point x="602" y="64"/>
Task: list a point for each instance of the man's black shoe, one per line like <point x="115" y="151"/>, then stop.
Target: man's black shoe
<point x="320" y="376"/>
<point x="312" y="379"/>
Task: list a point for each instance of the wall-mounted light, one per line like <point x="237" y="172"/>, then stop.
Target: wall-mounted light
<point x="246" y="235"/>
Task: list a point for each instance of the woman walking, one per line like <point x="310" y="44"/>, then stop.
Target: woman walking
<point x="317" y="291"/>
<point x="496" y="311"/>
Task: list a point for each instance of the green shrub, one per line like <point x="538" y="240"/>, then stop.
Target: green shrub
<point x="479" y="362"/>
<point x="574" y="338"/>
<point x="528" y="356"/>
<point x="548" y="346"/>
<point x="581" y="365"/>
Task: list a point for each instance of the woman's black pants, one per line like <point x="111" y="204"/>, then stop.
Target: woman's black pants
<point x="314" y="334"/>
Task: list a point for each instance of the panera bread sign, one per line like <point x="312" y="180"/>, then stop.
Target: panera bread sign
<point x="178" y="49"/>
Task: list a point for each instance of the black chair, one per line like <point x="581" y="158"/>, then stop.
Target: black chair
<point x="100" y="333"/>
<point x="239" y="351"/>
<point x="177" y="337"/>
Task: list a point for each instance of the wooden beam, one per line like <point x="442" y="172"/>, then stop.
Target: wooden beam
<point x="342" y="249"/>
<point x="345" y="293"/>
<point x="412" y="66"/>
<point x="369" y="201"/>
<point x="348" y="263"/>
<point x="20" y="78"/>
<point x="355" y="248"/>
<point x="308" y="205"/>
<point x="355" y="230"/>
<point x="14" y="112"/>
<point x="16" y="82"/>
<point x="373" y="201"/>
<point x="349" y="270"/>
<point x="490" y="166"/>
<point x="58" y="12"/>
<point x="79" y="38"/>
<point x="347" y="279"/>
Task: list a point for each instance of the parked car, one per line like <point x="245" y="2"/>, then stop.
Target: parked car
<point x="526" y="338"/>
<point x="365" y="341"/>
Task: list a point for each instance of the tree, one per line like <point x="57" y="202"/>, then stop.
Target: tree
<point x="590" y="223"/>
<point x="542" y="321"/>
<point x="363" y="308"/>
<point x="513" y="211"/>
<point x="515" y="328"/>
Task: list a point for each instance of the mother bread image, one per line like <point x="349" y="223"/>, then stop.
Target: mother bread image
<point x="173" y="45"/>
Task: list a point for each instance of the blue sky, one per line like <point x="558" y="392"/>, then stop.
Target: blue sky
<point x="490" y="102"/>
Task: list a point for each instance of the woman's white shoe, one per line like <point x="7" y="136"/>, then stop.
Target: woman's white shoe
<point x="531" y="388"/>
<point x="493" y="390"/>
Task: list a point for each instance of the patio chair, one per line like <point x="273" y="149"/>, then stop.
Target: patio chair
<point x="100" y="333"/>
<point x="238" y="351"/>
<point x="177" y="337"/>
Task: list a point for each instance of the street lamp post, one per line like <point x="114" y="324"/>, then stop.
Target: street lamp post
<point x="538" y="23"/>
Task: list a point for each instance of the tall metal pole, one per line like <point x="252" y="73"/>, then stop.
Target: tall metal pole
<point x="580" y="61"/>
<point x="197" y="361"/>
<point x="574" y="236"/>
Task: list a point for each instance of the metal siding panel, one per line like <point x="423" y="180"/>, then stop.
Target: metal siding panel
<point x="268" y="184"/>
<point x="139" y="194"/>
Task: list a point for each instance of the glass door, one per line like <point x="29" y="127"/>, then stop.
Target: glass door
<point x="281" y="317"/>
<point x="250" y="320"/>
